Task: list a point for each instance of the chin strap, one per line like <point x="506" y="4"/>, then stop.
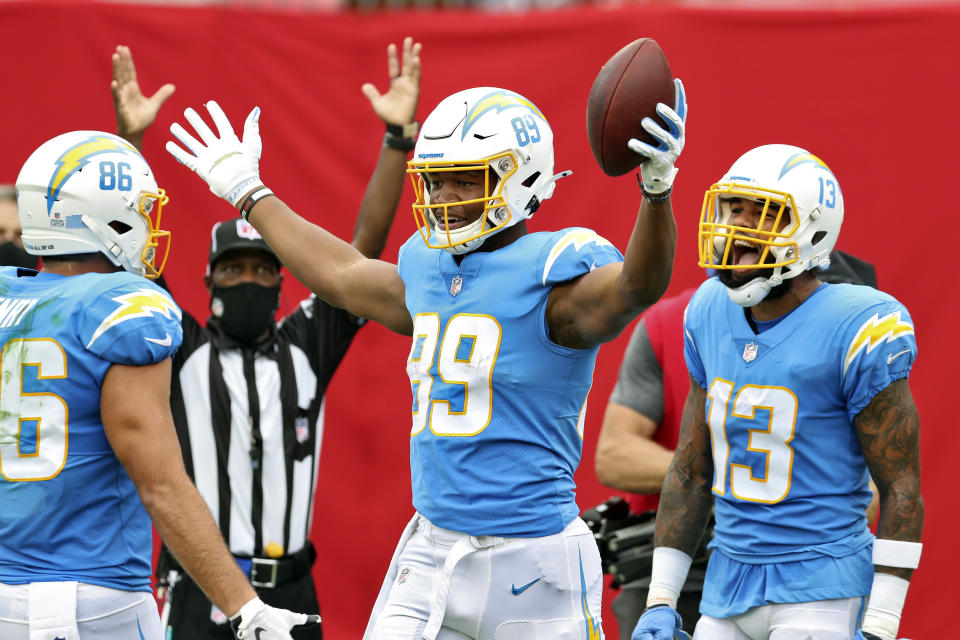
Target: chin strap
<point x="111" y="248"/>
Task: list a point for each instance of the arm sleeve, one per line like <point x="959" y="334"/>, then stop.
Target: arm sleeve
<point x="193" y="337"/>
<point x="640" y="382"/>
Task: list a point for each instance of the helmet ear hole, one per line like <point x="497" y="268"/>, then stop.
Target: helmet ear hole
<point x="817" y="237"/>
<point x="119" y="226"/>
<point x="534" y="202"/>
<point x="533" y="205"/>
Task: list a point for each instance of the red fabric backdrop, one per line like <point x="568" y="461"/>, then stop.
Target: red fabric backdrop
<point x="867" y="90"/>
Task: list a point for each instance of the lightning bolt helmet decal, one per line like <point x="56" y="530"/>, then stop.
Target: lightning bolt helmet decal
<point x="804" y="157"/>
<point x="77" y="156"/>
<point x="499" y="100"/>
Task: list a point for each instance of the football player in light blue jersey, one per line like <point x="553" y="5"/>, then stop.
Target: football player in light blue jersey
<point x="505" y="325"/>
<point x="798" y="394"/>
<point x="88" y="452"/>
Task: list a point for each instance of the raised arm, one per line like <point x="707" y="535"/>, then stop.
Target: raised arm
<point x="135" y="112"/>
<point x="397" y="108"/>
<point x="597" y="306"/>
<point x="889" y="432"/>
<point x="333" y="269"/>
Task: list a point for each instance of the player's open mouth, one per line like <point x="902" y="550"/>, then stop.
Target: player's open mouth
<point x="745" y="254"/>
<point x="451" y="222"/>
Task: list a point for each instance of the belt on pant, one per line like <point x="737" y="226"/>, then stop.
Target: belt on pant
<point x="264" y="573"/>
<point x="268" y="573"/>
<point x="441" y="584"/>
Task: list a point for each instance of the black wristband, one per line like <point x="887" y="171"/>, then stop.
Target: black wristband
<point x="253" y="198"/>
<point x="401" y="137"/>
<point x="401" y="144"/>
<point x="408" y="130"/>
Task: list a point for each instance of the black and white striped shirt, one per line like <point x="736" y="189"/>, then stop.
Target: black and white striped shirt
<point x="250" y="422"/>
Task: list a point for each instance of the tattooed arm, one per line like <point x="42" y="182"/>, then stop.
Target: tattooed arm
<point x="686" y="498"/>
<point x="889" y="432"/>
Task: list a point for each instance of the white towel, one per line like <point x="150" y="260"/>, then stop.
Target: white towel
<point x="53" y="611"/>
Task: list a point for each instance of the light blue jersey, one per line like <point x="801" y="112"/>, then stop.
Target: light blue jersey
<point x="790" y="478"/>
<point x="69" y="510"/>
<point x="498" y="407"/>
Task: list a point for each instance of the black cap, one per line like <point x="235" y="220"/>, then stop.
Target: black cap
<point x="236" y="234"/>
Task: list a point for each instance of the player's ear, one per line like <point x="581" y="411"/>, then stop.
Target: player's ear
<point x="208" y="283"/>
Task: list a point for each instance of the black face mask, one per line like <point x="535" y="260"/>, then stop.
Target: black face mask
<point x="13" y="256"/>
<point x="245" y="310"/>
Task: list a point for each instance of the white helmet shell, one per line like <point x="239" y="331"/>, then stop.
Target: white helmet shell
<point x="800" y="195"/>
<point x="88" y="192"/>
<point x="480" y="129"/>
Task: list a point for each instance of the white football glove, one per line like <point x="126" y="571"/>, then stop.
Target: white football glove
<point x="257" y="621"/>
<point x="229" y="166"/>
<point x="657" y="171"/>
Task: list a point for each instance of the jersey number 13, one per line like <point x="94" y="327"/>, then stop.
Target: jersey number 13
<point x="775" y="411"/>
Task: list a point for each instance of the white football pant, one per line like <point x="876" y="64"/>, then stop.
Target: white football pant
<point x="821" y="620"/>
<point x="445" y="585"/>
<point x="76" y="611"/>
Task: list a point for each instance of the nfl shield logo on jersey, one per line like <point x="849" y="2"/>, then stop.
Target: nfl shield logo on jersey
<point x="750" y="351"/>
<point x="456" y="285"/>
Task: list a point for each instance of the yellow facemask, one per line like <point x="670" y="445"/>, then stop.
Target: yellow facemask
<point x="157" y="247"/>
<point x="716" y="236"/>
<point x="428" y="216"/>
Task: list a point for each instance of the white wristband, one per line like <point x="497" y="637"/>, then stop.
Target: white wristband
<point x="233" y="195"/>
<point x="896" y="553"/>
<point x="670" y="568"/>
<point x="882" y="617"/>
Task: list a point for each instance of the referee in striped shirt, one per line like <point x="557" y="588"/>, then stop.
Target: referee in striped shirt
<point x="248" y="393"/>
<point x="247" y="398"/>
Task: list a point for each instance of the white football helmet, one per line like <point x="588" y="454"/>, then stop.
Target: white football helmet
<point x="799" y="195"/>
<point x="88" y="192"/>
<point x="493" y="130"/>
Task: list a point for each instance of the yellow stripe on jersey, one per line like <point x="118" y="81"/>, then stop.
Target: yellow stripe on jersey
<point x="875" y="332"/>
<point x="138" y="304"/>
<point x="578" y="238"/>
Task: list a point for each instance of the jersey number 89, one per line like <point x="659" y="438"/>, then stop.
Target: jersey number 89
<point x="467" y="353"/>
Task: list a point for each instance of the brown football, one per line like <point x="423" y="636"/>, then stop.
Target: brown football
<point x="627" y="90"/>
